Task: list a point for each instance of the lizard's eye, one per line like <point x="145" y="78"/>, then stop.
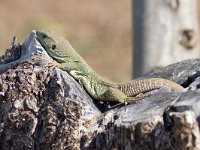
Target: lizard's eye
<point x="53" y="47"/>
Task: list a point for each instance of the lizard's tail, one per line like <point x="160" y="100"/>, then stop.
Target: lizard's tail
<point x="141" y="86"/>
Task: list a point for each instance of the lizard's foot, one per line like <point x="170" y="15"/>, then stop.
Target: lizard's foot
<point x="137" y="97"/>
<point x="129" y="100"/>
<point x="53" y="64"/>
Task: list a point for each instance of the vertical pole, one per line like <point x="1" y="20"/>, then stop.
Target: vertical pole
<point x="165" y="31"/>
<point x="138" y="39"/>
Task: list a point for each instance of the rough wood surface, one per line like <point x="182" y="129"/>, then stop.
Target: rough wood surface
<point x="45" y="108"/>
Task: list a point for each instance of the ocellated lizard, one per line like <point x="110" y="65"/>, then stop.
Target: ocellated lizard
<point x="69" y="60"/>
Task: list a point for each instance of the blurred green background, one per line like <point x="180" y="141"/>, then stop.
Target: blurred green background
<point x="100" y="31"/>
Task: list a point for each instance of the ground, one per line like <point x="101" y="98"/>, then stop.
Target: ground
<point x="101" y="31"/>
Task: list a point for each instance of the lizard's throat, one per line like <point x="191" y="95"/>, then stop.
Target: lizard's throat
<point x="55" y="56"/>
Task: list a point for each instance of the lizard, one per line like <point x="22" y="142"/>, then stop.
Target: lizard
<point x="66" y="58"/>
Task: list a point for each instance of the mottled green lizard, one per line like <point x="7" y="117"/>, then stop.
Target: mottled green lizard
<point x="69" y="60"/>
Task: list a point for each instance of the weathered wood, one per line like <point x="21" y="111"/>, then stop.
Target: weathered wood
<point x="45" y="108"/>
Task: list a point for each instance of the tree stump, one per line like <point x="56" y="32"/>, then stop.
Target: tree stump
<point x="43" y="107"/>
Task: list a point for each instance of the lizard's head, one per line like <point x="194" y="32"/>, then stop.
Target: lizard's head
<point x="56" y="46"/>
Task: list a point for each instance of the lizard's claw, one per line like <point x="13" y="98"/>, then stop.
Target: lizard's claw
<point x="53" y="64"/>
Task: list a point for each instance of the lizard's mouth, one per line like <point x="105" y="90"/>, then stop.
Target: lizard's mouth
<point x="36" y="37"/>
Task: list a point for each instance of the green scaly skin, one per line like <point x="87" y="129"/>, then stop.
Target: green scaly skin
<point x="69" y="60"/>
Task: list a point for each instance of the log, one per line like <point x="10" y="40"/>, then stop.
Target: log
<point x="43" y="107"/>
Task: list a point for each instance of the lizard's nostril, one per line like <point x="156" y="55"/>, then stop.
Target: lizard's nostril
<point x="44" y="36"/>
